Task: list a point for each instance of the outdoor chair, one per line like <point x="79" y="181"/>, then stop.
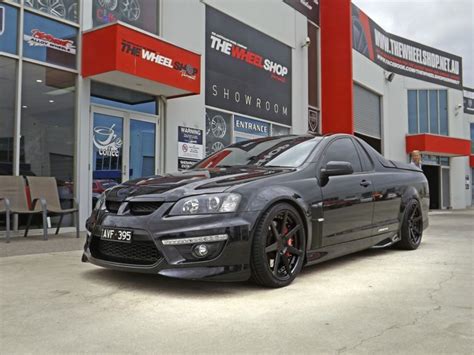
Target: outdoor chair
<point x="47" y="189"/>
<point x="13" y="200"/>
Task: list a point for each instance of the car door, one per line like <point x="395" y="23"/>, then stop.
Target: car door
<point x="347" y="199"/>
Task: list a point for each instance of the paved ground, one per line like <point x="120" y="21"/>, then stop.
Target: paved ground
<point x="372" y="302"/>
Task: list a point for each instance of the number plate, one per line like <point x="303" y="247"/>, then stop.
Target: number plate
<point x="116" y="235"/>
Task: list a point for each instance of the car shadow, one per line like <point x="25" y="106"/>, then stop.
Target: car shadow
<point x="157" y="284"/>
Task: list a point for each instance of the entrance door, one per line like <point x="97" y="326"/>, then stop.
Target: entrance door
<point x="124" y="147"/>
<point x="432" y="174"/>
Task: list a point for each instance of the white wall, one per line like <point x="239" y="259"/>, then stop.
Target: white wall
<point x="395" y="118"/>
<point x="183" y="23"/>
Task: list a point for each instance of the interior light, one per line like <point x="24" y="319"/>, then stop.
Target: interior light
<point x="24" y="106"/>
<point x="39" y="80"/>
<point x="51" y="101"/>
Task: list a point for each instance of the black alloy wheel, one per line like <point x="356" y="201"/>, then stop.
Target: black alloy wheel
<point x="278" y="248"/>
<point x="412" y="226"/>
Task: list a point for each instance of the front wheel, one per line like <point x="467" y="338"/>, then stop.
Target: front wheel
<point x="278" y="247"/>
<point x="411" y="229"/>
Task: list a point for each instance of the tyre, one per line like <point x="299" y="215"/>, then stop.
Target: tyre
<point x="411" y="230"/>
<point x="278" y="247"/>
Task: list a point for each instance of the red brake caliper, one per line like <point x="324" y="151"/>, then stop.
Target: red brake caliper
<point x="289" y="242"/>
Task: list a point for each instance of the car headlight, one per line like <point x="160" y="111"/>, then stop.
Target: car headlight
<point x="100" y="204"/>
<point x="206" y="204"/>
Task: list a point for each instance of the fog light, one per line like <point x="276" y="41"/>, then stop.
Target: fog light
<point x="201" y="250"/>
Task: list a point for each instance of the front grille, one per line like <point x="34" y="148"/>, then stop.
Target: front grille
<point x="138" y="252"/>
<point x="143" y="208"/>
<point x="112" y="206"/>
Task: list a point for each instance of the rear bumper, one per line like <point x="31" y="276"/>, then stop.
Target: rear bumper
<point x="229" y="260"/>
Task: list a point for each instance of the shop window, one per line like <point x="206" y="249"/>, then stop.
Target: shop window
<point x="49" y="41"/>
<point x="280" y="130"/>
<point x="8" y="29"/>
<point x="218" y="130"/>
<point x="63" y="9"/>
<point x="139" y="13"/>
<point x="8" y="68"/>
<point x="47" y="125"/>
<point x="428" y="111"/>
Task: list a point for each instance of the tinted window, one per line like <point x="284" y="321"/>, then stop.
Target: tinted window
<point x="412" y="111"/>
<point x="289" y="151"/>
<point x="367" y="163"/>
<point x="434" y="126"/>
<point x="8" y="68"/>
<point x="423" y="110"/>
<point x="63" y="9"/>
<point x="443" y="112"/>
<point x="343" y="150"/>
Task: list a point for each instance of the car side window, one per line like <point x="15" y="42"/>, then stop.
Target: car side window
<point x="343" y="149"/>
<point x="367" y="163"/>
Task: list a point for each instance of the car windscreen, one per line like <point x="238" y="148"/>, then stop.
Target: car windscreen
<point x="285" y="151"/>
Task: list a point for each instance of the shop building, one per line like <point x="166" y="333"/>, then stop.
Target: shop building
<point x="99" y="91"/>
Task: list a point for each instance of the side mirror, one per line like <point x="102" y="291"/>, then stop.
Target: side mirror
<point x="334" y="168"/>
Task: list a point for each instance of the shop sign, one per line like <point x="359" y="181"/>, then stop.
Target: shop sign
<point x="124" y="50"/>
<point x="250" y="126"/>
<point x="469" y="101"/>
<point x="403" y="56"/>
<point x="247" y="71"/>
<point x="185" y="164"/>
<point x="190" y="146"/>
<point x="42" y="39"/>
<point x="49" y="41"/>
<point x="107" y="142"/>
<point x="309" y="8"/>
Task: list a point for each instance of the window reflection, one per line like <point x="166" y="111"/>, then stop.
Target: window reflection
<point x="8" y="69"/>
<point x="142" y="149"/>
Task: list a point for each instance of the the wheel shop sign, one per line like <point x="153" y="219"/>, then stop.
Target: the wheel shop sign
<point x="247" y="71"/>
<point x="403" y="56"/>
<point x="190" y="146"/>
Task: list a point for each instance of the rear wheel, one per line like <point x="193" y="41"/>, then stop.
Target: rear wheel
<point x="411" y="230"/>
<point x="278" y="247"/>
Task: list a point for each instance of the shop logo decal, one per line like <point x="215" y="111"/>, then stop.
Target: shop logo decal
<point x="238" y="51"/>
<point x="2" y="20"/>
<point x="106" y="141"/>
<point x="187" y="70"/>
<point x="42" y="39"/>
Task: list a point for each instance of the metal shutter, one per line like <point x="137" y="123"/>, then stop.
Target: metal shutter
<point x="367" y="116"/>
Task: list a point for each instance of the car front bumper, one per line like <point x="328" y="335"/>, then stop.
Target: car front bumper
<point x="228" y="260"/>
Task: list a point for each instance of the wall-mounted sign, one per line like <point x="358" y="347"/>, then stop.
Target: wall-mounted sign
<point x="309" y="8"/>
<point x="128" y="55"/>
<point x="403" y="56"/>
<point x="247" y="71"/>
<point x="250" y="126"/>
<point x="190" y="147"/>
<point x="218" y="130"/>
<point x="469" y="101"/>
<point x="49" y="41"/>
<point x="313" y="121"/>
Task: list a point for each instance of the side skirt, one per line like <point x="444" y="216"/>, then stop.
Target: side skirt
<point x="333" y="251"/>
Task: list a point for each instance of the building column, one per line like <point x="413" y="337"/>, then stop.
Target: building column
<point x="336" y="67"/>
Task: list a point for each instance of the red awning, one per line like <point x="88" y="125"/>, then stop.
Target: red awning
<point x="471" y="161"/>
<point x="438" y="145"/>
<point x="121" y="55"/>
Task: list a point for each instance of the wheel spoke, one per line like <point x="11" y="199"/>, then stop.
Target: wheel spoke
<point x="292" y="232"/>
<point x="271" y="248"/>
<point x="294" y="251"/>
<point x="286" y="262"/>
<point x="416" y="219"/>
<point x="413" y="236"/>
<point x="275" y="232"/>
<point x="283" y="224"/>
<point x="276" y="264"/>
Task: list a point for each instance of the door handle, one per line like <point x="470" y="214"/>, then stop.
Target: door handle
<point x="365" y="183"/>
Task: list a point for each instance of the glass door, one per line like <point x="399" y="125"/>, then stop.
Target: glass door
<point x="142" y="147"/>
<point x="124" y="147"/>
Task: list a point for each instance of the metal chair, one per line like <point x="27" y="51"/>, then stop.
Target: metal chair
<point x="47" y="189"/>
<point x="13" y="200"/>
